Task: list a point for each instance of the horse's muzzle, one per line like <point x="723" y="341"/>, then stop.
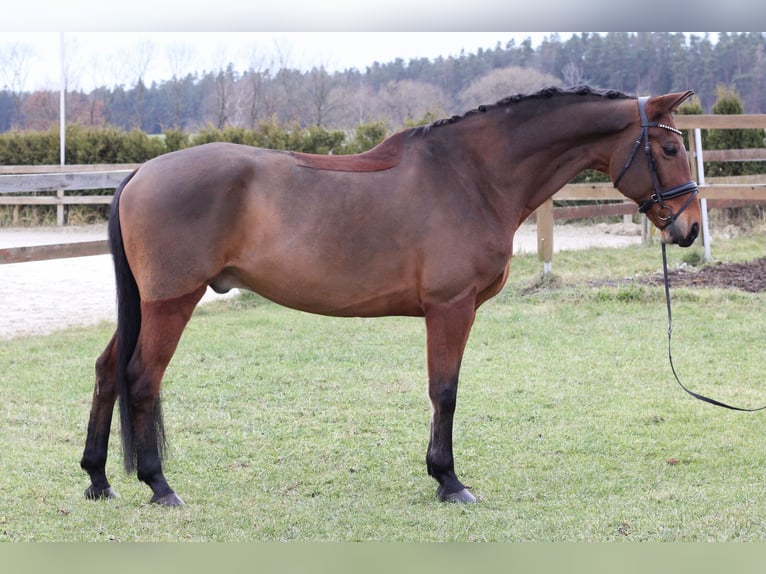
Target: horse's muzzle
<point x="674" y="234"/>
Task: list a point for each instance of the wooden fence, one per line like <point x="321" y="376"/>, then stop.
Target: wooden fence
<point x="59" y="179"/>
<point x="17" y="182"/>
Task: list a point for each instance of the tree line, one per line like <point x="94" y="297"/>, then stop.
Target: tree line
<point x="402" y="92"/>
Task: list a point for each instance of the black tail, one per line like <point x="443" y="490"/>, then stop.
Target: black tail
<point x="128" y="329"/>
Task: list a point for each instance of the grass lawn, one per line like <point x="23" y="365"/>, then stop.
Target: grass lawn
<point x="288" y="426"/>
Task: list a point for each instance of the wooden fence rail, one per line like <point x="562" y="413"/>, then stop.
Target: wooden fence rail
<point x="59" y="179"/>
<point x="35" y="183"/>
<point x="57" y="251"/>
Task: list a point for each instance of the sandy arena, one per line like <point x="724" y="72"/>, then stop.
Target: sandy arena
<point x="43" y="297"/>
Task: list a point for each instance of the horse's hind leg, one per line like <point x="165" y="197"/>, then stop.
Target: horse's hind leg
<point x="97" y="441"/>
<point x="447" y="326"/>
<point x="162" y="323"/>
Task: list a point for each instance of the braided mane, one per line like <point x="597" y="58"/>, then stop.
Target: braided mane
<point x="549" y="92"/>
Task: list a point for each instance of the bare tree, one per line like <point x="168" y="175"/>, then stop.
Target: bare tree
<point x="572" y="74"/>
<point x="253" y="98"/>
<point x="319" y="85"/>
<point x="219" y="99"/>
<point x="179" y="56"/>
<point x="288" y="83"/>
<point x="14" y="70"/>
<point x="40" y="110"/>
<point x="355" y="102"/>
<point x="81" y="108"/>
<point x="73" y="68"/>
<point x="504" y="82"/>
<point x="138" y="61"/>
<point x="224" y="82"/>
<point x="101" y="97"/>
<point x="404" y="101"/>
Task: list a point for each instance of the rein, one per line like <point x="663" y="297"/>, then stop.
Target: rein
<point x="670" y="355"/>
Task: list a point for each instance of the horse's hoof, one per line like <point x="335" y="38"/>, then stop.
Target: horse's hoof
<point x="171" y="499"/>
<point x="96" y="494"/>
<point x="462" y="496"/>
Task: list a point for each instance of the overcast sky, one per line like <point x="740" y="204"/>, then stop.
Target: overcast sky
<point x="336" y="34"/>
<point x="108" y="58"/>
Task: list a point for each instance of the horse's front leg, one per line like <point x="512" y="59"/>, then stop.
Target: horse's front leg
<point x="447" y="327"/>
<point x="97" y="441"/>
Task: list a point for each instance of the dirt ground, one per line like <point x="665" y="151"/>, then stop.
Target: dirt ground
<point x="750" y="276"/>
<point x="45" y="296"/>
<point x="42" y="297"/>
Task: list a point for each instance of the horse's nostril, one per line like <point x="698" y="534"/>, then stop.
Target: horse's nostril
<point x="694" y="231"/>
<point x="691" y="236"/>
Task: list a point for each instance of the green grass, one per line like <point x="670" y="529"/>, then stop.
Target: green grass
<point x="288" y="426"/>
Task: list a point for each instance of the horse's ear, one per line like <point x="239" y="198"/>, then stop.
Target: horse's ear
<point x="681" y="99"/>
<point x="669" y="103"/>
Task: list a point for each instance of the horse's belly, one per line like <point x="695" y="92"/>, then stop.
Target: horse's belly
<point x="329" y="294"/>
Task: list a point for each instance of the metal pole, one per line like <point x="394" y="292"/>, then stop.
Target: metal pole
<point x="62" y="129"/>
<point x="703" y="201"/>
<point x="62" y="105"/>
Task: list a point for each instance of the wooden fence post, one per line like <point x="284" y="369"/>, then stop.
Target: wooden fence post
<point x="60" y="208"/>
<point x="545" y="234"/>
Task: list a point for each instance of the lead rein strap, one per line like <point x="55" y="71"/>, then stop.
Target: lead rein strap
<point x="670" y="356"/>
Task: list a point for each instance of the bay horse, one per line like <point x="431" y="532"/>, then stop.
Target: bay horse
<point x="422" y="225"/>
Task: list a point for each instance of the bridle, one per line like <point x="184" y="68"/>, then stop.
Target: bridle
<point x="667" y="216"/>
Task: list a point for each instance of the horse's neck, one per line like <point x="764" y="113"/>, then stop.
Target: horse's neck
<point x="535" y="155"/>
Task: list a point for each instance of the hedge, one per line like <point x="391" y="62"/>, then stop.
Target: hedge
<point x="109" y="145"/>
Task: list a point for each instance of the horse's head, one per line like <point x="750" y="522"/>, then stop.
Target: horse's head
<point x="651" y="167"/>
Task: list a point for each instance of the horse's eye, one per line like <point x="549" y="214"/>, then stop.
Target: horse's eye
<point x="670" y="150"/>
